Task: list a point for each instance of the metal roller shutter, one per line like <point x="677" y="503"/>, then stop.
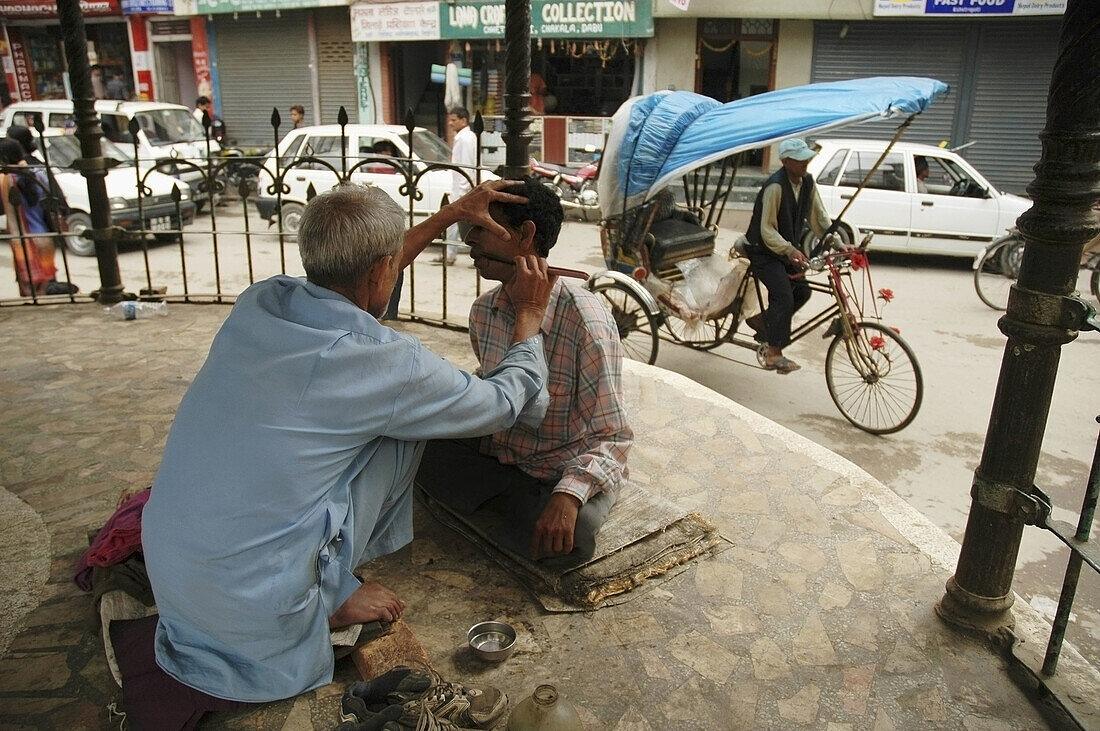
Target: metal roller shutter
<point x="931" y="49"/>
<point x="336" y="64"/>
<point x="262" y="63"/>
<point x="1012" y="75"/>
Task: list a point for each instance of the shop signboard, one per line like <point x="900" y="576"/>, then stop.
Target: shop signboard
<point x="552" y="19"/>
<point x="136" y="7"/>
<point x="39" y="9"/>
<point x="969" y="8"/>
<point x="395" y="21"/>
<point x="24" y="82"/>
<point x="473" y="20"/>
<point x="207" y="7"/>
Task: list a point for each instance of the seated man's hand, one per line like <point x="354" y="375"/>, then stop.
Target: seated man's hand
<point x="553" y="534"/>
<point x="798" y="259"/>
<point x="368" y="603"/>
<point x="474" y="206"/>
<point x="529" y="290"/>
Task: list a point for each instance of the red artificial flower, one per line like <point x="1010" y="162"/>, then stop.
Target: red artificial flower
<point x="877" y="342"/>
<point x="858" y="259"/>
<point x="886" y="294"/>
<point x="896" y="330"/>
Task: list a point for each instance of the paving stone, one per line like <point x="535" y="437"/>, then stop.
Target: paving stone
<point x="718" y="578"/>
<point x="632" y="720"/>
<point x="859" y="562"/>
<point x="834" y="596"/>
<point x="47" y="638"/>
<point x="812" y="645"/>
<point x="79" y="714"/>
<point x="856" y="689"/>
<point x="769" y="662"/>
<point x="32" y="706"/>
<point x="703" y="655"/>
<point x="33" y="672"/>
<point x="733" y="620"/>
<point x="802" y="707"/>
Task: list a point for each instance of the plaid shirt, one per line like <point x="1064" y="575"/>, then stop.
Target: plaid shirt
<point x="583" y="441"/>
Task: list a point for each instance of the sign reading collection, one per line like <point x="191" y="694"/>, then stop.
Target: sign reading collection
<point x="472" y="20"/>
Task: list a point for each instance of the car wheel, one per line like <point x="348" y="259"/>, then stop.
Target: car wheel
<point x="74" y="241"/>
<point x="171" y="238"/>
<point x="290" y="217"/>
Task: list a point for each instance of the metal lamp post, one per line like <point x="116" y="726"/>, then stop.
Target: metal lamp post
<point x="1042" y="316"/>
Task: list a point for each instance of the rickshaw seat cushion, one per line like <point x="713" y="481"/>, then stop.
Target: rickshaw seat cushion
<point x="674" y="240"/>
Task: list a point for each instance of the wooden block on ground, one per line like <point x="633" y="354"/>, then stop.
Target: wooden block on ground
<point x="398" y="647"/>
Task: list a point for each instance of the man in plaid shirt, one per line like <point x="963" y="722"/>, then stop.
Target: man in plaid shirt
<point x="554" y="484"/>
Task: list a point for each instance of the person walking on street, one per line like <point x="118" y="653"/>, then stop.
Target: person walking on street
<point x="787" y="201"/>
<point x="217" y="126"/>
<point x="464" y="153"/>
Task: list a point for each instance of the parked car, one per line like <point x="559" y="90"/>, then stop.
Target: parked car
<point x="323" y="142"/>
<point x="954" y="211"/>
<point x="165" y="131"/>
<point x="158" y="210"/>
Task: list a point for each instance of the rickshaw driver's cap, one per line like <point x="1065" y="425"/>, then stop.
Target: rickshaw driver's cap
<point x="795" y="149"/>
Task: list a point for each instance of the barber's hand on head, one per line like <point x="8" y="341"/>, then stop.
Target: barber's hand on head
<point x="798" y="259"/>
<point x="529" y="290"/>
<point x="553" y="533"/>
<point x="474" y="206"/>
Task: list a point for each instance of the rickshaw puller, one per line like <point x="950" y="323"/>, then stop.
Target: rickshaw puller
<point x="784" y="204"/>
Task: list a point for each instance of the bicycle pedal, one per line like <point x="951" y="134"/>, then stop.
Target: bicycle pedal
<point x="832" y="331"/>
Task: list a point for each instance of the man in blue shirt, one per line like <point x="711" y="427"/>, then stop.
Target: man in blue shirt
<point x="291" y="456"/>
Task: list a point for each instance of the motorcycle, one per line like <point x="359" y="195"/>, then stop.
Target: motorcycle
<point x="238" y="171"/>
<point x="575" y="186"/>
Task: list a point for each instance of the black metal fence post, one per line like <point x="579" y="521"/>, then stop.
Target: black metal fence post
<point x="93" y="166"/>
<point x="517" y="82"/>
<point x="1042" y="316"/>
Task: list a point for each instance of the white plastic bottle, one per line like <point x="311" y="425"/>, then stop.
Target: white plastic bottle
<point x="132" y="310"/>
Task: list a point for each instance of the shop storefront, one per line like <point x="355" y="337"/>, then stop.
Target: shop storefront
<point x="261" y="55"/>
<point x="36" y="58"/>
<point x="997" y="64"/>
<point x="585" y="61"/>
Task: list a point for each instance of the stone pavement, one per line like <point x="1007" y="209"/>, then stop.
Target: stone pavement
<point x="818" y="613"/>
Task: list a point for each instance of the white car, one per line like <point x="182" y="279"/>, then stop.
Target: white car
<point x="323" y="143"/>
<point x="954" y="211"/>
<point x="164" y="131"/>
<point x="158" y="212"/>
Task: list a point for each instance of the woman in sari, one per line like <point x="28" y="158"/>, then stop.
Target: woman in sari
<point x="32" y="247"/>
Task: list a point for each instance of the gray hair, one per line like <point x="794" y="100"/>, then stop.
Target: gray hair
<point x="344" y="231"/>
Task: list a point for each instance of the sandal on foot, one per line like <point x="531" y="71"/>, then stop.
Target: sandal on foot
<point x="781" y="365"/>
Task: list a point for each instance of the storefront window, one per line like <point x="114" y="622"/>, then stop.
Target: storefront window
<point x="588" y="78"/>
<point x="736" y="59"/>
<point x="47" y="62"/>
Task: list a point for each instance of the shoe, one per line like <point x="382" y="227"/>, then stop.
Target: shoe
<point x="758" y="327"/>
<point x="426" y="700"/>
<point x="782" y="366"/>
<point x="371" y="721"/>
<point x="363" y="700"/>
<point x="56" y="287"/>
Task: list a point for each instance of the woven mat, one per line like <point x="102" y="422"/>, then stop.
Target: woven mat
<point x="645" y="537"/>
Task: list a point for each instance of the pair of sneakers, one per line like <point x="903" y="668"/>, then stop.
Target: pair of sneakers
<point x="407" y="698"/>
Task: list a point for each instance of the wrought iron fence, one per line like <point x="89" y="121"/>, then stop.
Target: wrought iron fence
<point x="218" y="223"/>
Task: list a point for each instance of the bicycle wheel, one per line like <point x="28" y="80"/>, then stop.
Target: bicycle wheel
<point x="997" y="270"/>
<point x="705" y="335"/>
<point x="1094" y="281"/>
<point x="874" y="379"/>
<point x="637" y="328"/>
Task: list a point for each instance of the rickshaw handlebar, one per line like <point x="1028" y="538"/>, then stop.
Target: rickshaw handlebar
<point x="838" y="258"/>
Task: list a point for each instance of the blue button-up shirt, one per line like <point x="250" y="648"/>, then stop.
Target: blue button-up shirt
<point x="250" y="531"/>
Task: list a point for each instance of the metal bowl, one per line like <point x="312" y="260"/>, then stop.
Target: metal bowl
<point x="492" y="641"/>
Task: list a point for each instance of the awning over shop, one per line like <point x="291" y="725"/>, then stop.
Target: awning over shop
<point x="472" y="20"/>
<point x="208" y="7"/>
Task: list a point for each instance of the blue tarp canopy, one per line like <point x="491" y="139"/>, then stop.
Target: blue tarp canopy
<point x="657" y="138"/>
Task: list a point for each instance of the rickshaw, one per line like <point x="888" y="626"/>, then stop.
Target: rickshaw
<point x="664" y="277"/>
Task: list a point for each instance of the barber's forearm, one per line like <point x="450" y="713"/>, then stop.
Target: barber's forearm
<point x="528" y="323"/>
<point x="422" y="234"/>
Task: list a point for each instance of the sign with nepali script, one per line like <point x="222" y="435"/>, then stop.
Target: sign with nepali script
<point x="969" y="8"/>
<point x="395" y="21"/>
<point x="473" y="20"/>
